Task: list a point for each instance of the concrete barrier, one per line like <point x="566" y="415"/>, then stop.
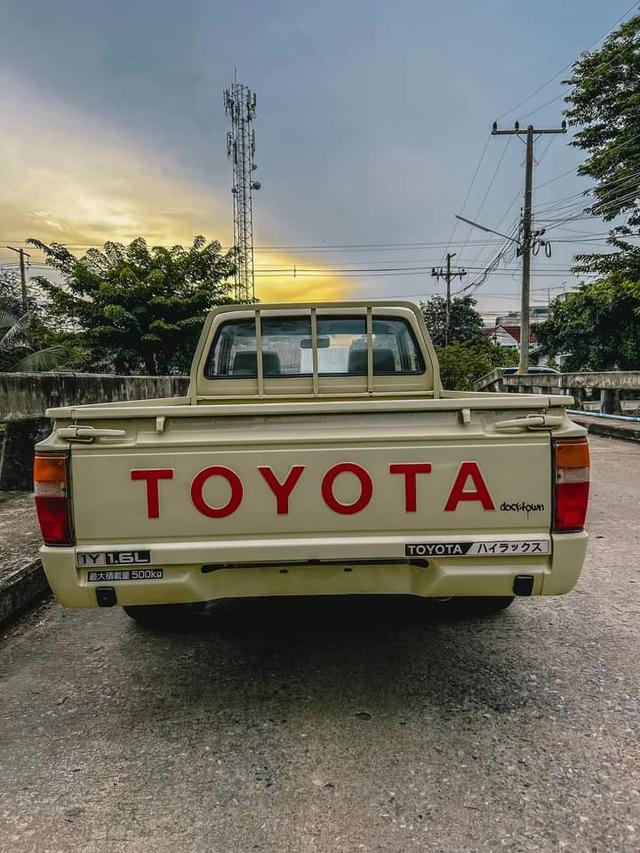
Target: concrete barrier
<point x="24" y="398"/>
<point x="21" y="587"/>
<point x="608" y="385"/>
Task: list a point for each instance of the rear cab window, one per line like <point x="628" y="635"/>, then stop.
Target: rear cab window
<point x="287" y="347"/>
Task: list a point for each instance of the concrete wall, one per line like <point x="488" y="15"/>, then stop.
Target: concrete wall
<point x="606" y="384"/>
<point x="24" y="398"/>
<point x="27" y="395"/>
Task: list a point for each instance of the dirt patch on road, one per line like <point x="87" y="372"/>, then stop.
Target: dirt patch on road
<point x="19" y="531"/>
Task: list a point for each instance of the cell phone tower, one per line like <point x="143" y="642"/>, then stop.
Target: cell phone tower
<point x="240" y="106"/>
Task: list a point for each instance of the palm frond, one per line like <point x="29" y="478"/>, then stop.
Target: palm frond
<point x="16" y="326"/>
<point x="42" y="360"/>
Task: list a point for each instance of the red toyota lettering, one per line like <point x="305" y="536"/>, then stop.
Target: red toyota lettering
<point x="410" y="470"/>
<point x="366" y="488"/>
<point x="235" y="498"/>
<point x="152" y="476"/>
<point x="480" y="493"/>
<point x="282" y="491"/>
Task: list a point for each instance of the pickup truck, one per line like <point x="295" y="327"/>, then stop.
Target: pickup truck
<point x="316" y="453"/>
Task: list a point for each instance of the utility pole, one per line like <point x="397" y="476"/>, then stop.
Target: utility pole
<point x="23" y="276"/>
<point x="527" y="233"/>
<point x="447" y="276"/>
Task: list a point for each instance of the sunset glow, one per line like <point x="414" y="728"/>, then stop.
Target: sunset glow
<point x="69" y="180"/>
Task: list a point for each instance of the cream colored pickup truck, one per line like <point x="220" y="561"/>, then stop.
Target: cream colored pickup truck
<point x="316" y="453"/>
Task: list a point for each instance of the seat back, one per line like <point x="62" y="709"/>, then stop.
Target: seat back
<point x="246" y="363"/>
<point x="383" y="361"/>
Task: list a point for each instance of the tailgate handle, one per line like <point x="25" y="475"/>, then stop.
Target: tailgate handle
<point x="531" y="422"/>
<point x="87" y="434"/>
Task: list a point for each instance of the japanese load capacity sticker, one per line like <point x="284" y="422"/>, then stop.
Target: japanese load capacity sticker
<point x="100" y="576"/>
<point x="485" y="548"/>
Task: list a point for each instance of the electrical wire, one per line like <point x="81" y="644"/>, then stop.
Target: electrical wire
<point x="486" y="193"/>
<point x="468" y="193"/>
<point x="567" y="66"/>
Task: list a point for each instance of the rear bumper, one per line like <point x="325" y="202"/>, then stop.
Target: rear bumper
<point x="185" y="581"/>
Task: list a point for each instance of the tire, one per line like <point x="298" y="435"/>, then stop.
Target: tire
<point x="161" y="616"/>
<point x="479" y="606"/>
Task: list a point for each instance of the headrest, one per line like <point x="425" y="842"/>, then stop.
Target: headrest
<point x="383" y="361"/>
<point x="246" y="363"/>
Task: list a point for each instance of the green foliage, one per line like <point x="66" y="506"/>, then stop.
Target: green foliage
<point x="598" y="326"/>
<point x="469" y="354"/>
<point x="465" y="323"/>
<point x="461" y="366"/>
<point x="134" y="308"/>
<point x="24" y="344"/>
<point x="11" y="293"/>
<point x="20" y="349"/>
<point x="605" y="102"/>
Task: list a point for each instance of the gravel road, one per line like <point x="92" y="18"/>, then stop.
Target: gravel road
<point x="351" y="725"/>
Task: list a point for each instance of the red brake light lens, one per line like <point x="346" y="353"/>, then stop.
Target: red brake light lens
<point x="572" y="484"/>
<point x="52" y="497"/>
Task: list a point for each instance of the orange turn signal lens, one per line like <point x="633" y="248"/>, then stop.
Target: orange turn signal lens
<point x="572" y="454"/>
<point x="48" y="468"/>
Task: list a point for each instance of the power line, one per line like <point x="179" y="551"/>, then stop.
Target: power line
<point x="567" y="66"/>
<point x="619" y="182"/>
<point x="320" y="246"/>
<point x="468" y="193"/>
<point x="574" y="172"/>
<point x="487" y="191"/>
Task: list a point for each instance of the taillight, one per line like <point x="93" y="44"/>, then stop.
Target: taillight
<point x="52" y="494"/>
<point x="572" y="484"/>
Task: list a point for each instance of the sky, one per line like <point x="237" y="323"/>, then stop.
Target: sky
<point x="372" y="120"/>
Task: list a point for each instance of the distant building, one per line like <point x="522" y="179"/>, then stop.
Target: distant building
<point x="537" y="314"/>
<point x="508" y="335"/>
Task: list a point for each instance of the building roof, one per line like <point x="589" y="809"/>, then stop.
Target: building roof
<point x="512" y="330"/>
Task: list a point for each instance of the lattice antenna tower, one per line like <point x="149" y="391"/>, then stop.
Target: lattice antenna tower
<point x="240" y="106"/>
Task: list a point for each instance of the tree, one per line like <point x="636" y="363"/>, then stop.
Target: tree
<point x="597" y="327"/>
<point x="20" y="348"/>
<point x="134" y="308"/>
<point x="461" y="366"/>
<point x="11" y="293"/>
<point x="23" y="335"/>
<point x="469" y="354"/>
<point x="605" y="102"/>
<point x="465" y="323"/>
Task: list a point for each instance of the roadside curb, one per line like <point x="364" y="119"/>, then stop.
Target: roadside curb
<point x="21" y="587"/>
<point x="626" y="433"/>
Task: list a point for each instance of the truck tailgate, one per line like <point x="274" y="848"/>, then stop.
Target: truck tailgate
<point x="316" y="486"/>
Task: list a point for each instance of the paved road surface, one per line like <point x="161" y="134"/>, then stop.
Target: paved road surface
<point x="338" y="725"/>
<point x="19" y="531"/>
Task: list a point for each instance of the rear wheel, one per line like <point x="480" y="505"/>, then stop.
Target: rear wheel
<point x="482" y="605"/>
<point x="161" y="615"/>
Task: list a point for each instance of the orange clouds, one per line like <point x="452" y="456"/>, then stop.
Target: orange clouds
<point x="68" y="177"/>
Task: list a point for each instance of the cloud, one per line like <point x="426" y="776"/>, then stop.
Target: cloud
<point x="68" y="177"/>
